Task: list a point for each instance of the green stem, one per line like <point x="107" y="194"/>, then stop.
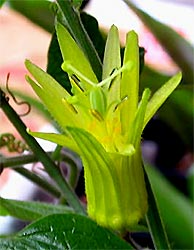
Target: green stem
<point x="72" y="21"/>
<point x="73" y="171"/>
<point x="39" y="181"/>
<point x="73" y="174"/>
<point x="17" y="160"/>
<point x="56" y="153"/>
<point x="49" y="165"/>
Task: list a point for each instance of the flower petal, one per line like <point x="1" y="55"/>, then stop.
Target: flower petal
<point x="45" y="80"/>
<point x="73" y="54"/>
<point x="130" y="82"/>
<point x="99" y="178"/>
<point x="112" y="57"/>
<point x="59" y="139"/>
<point x="54" y="102"/>
<point x="137" y="126"/>
<point x="160" y="97"/>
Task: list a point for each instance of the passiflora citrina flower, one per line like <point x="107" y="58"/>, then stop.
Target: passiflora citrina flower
<point x="103" y="122"/>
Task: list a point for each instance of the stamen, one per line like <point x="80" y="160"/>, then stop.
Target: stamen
<point x="70" y="106"/>
<point x="96" y="114"/>
<point x="111" y="83"/>
<point x="125" y="98"/>
<point x="75" y="79"/>
<point x="115" y="73"/>
<point x="76" y="82"/>
<point x="66" y="66"/>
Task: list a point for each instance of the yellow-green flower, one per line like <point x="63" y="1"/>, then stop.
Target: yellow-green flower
<point x="103" y="122"/>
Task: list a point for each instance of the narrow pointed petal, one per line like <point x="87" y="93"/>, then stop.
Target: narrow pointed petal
<point x="112" y="61"/>
<point x="112" y="57"/>
<point x="73" y="54"/>
<point x="59" y="139"/>
<point x="160" y="97"/>
<point x="130" y="82"/>
<point x="139" y="118"/>
<point x="54" y="103"/>
<point x="46" y="81"/>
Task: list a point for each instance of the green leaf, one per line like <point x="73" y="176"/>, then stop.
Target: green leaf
<point x="190" y="182"/>
<point x="2" y="2"/>
<point x="154" y="219"/>
<point x="178" y="112"/>
<point x="160" y="96"/>
<point x="26" y="210"/>
<point x="77" y="3"/>
<point x="176" y="210"/>
<point x="63" y="231"/>
<point x="3" y="211"/>
<point x="177" y="47"/>
<point x="91" y="25"/>
<point x="151" y="79"/>
<point x="39" y="12"/>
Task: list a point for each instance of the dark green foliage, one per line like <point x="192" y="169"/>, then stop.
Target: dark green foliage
<point x="63" y="231"/>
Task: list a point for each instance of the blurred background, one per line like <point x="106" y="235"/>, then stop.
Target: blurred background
<point x="20" y="38"/>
